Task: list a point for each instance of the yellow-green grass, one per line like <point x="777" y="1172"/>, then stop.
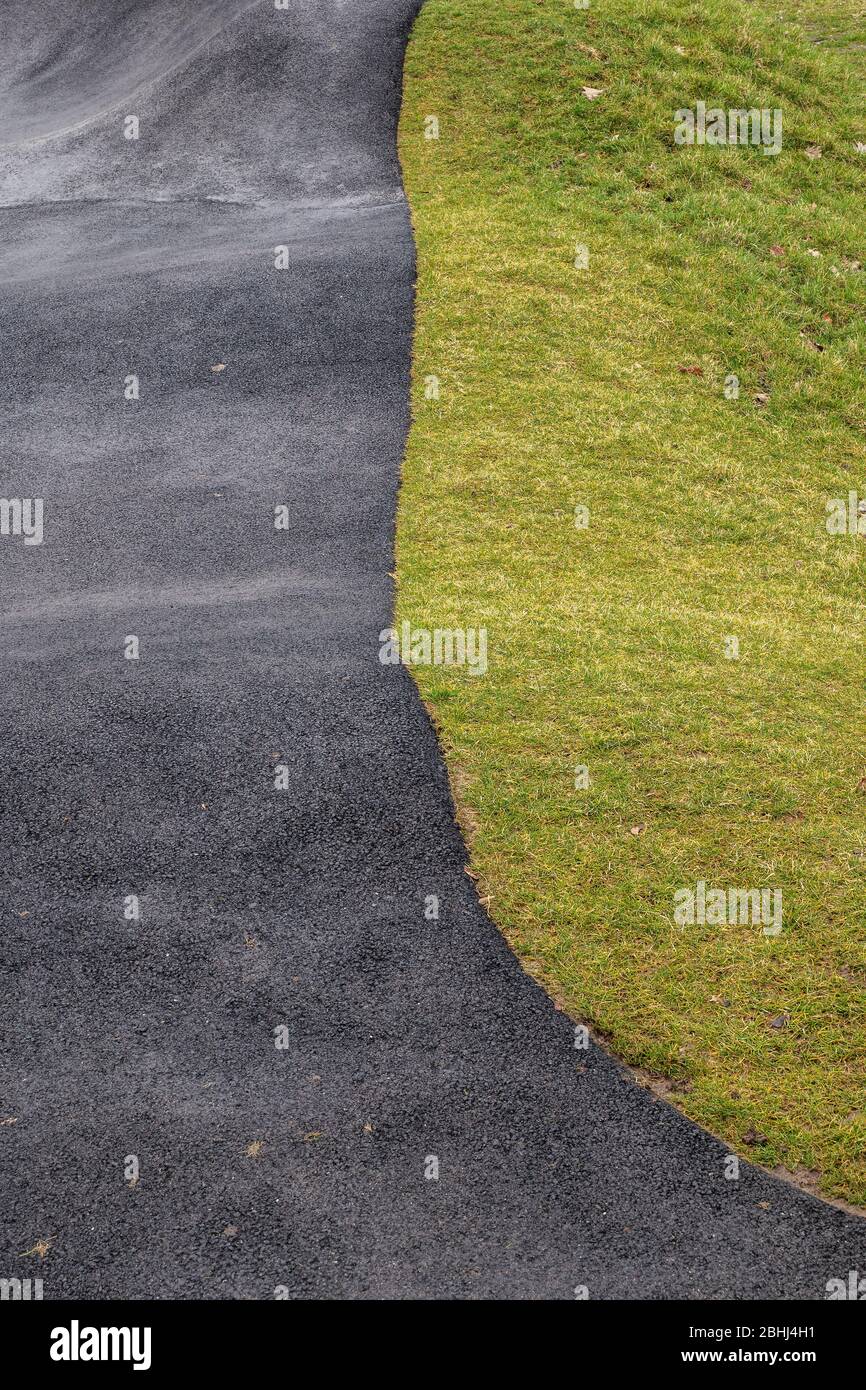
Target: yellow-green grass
<point x="562" y="387"/>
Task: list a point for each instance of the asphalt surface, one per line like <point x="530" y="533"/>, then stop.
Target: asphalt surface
<point x="303" y="1168"/>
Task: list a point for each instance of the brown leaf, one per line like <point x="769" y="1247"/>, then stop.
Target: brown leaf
<point x="778" y="251"/>
<point x="41" y="1249"/>
<point x="813" y="151"/>
<point x="752" y="1137"/>
<point x="592" y="92"/>
<point x="691" y="371"/>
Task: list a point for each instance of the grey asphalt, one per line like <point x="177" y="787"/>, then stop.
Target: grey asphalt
<point x="297" y="1169"/>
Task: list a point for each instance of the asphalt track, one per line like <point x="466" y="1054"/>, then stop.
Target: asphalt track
<point x="301" y="1168"/>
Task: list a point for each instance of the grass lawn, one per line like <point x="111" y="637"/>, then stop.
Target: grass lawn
<point x="609" y="644"/>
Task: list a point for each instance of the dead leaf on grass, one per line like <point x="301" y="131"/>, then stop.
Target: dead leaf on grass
<point x="752" y="1138"/>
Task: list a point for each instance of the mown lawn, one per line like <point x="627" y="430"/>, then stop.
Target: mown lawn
<point x="562" y="387"/>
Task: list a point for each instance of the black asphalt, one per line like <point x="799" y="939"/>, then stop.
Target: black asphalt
<point x="306" y="1168"/>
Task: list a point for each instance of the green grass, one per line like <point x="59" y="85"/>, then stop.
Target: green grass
<point x="561" y="387"/>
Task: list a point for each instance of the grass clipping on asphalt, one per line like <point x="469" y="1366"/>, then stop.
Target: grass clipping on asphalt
<point x="739" y="764"/>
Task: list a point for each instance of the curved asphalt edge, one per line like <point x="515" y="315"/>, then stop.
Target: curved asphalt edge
<point x="276" y="1069"/>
